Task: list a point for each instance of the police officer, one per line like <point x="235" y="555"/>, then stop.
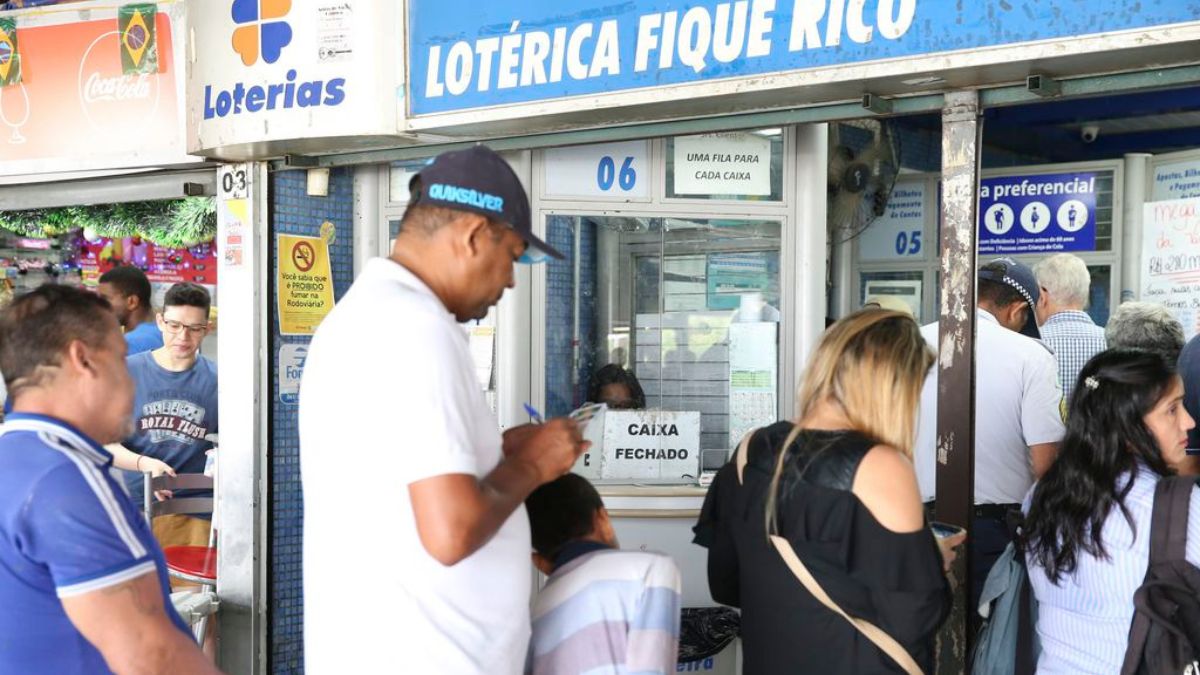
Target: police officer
<point x="1018" y="424"/>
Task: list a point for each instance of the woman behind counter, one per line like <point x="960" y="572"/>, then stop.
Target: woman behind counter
<point x="844" y="495"/>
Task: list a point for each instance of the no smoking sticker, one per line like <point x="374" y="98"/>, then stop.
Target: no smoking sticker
<point x="304" y="288"/>
<point x="303" y="256"/>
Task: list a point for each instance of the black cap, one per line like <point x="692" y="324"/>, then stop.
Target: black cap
<point x="1010" y="272"/>
<point x="480" y="181"/>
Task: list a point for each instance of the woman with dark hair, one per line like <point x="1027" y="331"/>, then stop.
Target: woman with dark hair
<point x="616" y="387"/>
<point x="1087" y="528"/>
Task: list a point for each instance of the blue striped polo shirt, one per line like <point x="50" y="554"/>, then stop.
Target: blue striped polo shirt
<point x="67" y="528"/>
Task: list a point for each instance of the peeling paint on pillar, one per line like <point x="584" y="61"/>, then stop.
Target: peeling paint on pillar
<point x="956" y="344"/>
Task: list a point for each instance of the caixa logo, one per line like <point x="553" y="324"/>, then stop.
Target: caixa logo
<point x="263" y="33"/>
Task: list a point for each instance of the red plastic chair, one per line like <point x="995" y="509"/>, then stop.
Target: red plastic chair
<point x="194" y="564"/>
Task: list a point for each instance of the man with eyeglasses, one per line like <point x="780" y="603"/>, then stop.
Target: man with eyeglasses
<point x="175" y="404"/>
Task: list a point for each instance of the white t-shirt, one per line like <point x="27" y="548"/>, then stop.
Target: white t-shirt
<point x="389" y="397"/>
<point x="1017" y="401"/>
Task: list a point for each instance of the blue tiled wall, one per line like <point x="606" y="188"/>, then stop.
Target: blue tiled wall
<point x="293" y="212"/>
<point x="561" y="295"/>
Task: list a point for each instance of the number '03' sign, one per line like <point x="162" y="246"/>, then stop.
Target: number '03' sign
<point x="234" y="181"/>
<point x="618" y="171"/>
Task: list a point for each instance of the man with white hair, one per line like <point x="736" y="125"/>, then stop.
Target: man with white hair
<point x="1064" y="282"/>
<point x="1148" y="326"/>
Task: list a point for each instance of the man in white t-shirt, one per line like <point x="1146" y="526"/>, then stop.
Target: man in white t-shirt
<point x="1018" y="419"/>
<point x="416" y="540"/>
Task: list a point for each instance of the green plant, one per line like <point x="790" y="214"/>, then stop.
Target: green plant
<point x="175" y="223"/>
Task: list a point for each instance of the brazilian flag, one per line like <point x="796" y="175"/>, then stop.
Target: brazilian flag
<point x="139" y="48"/>
<point x="10" y="58"/>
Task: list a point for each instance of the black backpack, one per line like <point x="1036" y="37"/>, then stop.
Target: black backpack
<point x="1165" y="636"/>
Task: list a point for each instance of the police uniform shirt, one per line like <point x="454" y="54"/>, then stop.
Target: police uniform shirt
<point x="1017" y="399"/>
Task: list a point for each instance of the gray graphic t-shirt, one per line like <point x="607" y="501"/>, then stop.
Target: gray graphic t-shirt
<point x="172" y="413"/>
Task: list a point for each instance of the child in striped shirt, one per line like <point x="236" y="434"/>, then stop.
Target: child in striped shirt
<point x="602" y="610"/>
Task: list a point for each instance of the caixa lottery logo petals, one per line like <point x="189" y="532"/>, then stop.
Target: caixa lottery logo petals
<point x="260" y="29"/>
<point x="261" y="32"/>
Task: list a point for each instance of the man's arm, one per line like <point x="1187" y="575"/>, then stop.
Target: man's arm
<point x="129" y="626"/>
<point x="1041" y="412"/>
<point x="458" y="513"/>
<point x="1042" y="456"/>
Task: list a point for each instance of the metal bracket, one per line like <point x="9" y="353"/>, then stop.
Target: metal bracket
<point x="877" y="105"/>
<point x="193" y="190"/>
<point x="300" y="162"/>
<point x="1043" y="85"/>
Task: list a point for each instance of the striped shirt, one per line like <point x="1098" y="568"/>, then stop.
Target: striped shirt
<point x="1075" y="339"/>
<point x="1083" y="622"/>
<point x="608" y="612"/>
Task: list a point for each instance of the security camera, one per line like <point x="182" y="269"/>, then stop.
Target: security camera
<point x="1089" y="132"/>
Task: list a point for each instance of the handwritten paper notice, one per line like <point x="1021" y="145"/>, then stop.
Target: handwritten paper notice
<point x="1170" y="268"/>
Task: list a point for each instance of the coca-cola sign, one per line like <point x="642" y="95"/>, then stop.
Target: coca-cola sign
<point x="120" y="88"/>
<point x="79" y="111"/>
<point x="107" y="96"/>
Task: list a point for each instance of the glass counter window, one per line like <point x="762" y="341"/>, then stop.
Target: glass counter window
<point x="684" y="312"/>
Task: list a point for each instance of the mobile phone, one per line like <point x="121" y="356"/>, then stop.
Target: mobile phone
<point x="945" y="530"/>
<point x="585" y="414"/>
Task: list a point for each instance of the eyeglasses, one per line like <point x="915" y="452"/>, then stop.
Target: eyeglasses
<point x="174" y="327"/>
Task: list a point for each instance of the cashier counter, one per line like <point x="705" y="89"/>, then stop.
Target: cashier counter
<point x="660" y="518"/>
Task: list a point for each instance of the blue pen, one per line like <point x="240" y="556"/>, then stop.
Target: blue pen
<point x="533" y="414"/>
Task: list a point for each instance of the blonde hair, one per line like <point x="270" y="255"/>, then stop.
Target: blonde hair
<point x="872" y="364"/>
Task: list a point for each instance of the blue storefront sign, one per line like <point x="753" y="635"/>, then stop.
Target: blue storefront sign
<point x="1037" y="214"/>
<point x="470" y="55"/>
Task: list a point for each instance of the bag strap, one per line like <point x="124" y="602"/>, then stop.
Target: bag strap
<point x="1169" y="524"/>
<point x="1168" y="541"/>
<point x="1026" y="662"/>
<point x="742" y="456"/>
<point x="872" y="632"/>
<point x="882" y="640"/>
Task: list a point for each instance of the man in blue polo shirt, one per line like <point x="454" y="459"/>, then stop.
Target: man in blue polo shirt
<point x="83" y="585"/>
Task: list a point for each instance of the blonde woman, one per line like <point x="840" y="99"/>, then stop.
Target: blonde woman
<point x="839" y="486"/>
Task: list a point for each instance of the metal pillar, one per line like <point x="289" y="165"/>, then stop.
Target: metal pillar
<point x="1135" y="194"/>
<point x="956" y="351"/>
<point x="244" y="403"/>
<point x="809" y="235"/>
<point x="367" y="216"/>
